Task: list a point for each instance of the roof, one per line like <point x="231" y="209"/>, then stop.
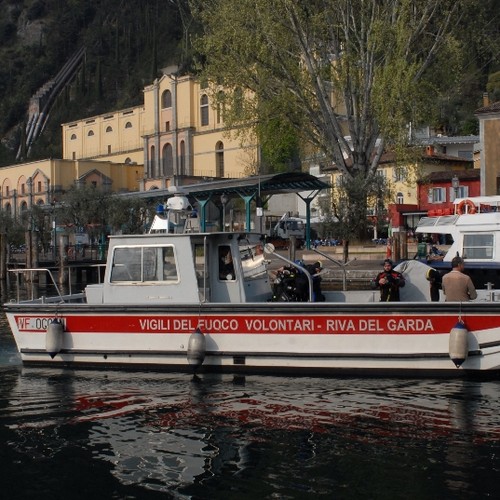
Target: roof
<point x="445" y="139"/>
<point x="492" y="108"/>
<point x="463" y="175"/>
<point x="289" y="182"/>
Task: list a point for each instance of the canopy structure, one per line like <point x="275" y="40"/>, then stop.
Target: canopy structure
<point x="258" y="188"/>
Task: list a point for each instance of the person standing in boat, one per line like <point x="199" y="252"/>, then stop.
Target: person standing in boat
<point x="435" y="283"/>
<point x="314" y="271"/>
<point x="389" y="281"/>
<point x="457" y="286"/>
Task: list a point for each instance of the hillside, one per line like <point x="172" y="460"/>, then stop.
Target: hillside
<point x="126" y="43"/>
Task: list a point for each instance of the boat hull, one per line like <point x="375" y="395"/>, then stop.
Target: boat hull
<point x="299" y="338"/>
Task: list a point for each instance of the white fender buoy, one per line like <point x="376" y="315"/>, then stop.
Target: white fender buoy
<point x="458" y="347"/>
<point x="54" y="337"/>
<point x="196" y="348"/>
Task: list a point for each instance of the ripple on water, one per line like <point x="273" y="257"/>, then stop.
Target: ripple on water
<point x="296" y="435"/>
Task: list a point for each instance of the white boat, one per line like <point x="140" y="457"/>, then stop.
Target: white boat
<point x="204" y="302"/>
<point x="474" y="229"/>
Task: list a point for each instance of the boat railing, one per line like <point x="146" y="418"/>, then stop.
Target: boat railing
<point x="30" y="273"/>
<point x="342" y="265"/>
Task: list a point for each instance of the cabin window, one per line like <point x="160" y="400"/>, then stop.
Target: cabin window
<point x="478" y="246"/>
<point x="126" y="265"/>
<point x="252" y="260"/>
<point x="169" y="265"/>
<point x="226" y="266"/>
<point x="144" y="264"/>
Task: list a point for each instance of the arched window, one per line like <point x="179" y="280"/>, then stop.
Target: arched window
<point x="168" y="161"/>
<point x="204" y="110"/>
<point x="40" y="203"/>
<point x="23" y="207"/>
<point x="73" y="137"/>
<point x="182" y="159"/>
<point x="400" y="199"/>
<point x="219" y="159"/>
<point x="90" y="133"/>
<point x="109" y="128"/>
<point x="8" y="208"/>
<point x="166" y="99"/>
<point x="128" y="125"/>
<point x="128" y="160"/>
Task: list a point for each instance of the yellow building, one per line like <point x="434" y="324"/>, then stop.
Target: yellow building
<point x="42" y="182"/>
<point x="177" y="135"/>
<point x="114" y="137"/>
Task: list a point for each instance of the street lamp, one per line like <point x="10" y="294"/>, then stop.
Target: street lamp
<point x="455" y="184"/>
<point x="224" y="199"/>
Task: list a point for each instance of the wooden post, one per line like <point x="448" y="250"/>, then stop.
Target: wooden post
<point x="345" y="251"/>
<point x="397" y="246"/>
<point x="404" y="243"/>
<point x="63" y="260"/>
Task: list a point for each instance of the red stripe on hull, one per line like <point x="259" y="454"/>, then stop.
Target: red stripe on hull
<point x="258" y="324"/>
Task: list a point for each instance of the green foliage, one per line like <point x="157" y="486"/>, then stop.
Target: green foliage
<point x="331" y="70"/>
<point x="111" y="78"/>
<point x="493" y="86"/>
<point x="101" y="212"/>
<point x="12" y="229"/>
<point x="279" y="147"/>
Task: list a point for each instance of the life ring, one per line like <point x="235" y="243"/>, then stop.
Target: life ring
<point x="471" y="208"/>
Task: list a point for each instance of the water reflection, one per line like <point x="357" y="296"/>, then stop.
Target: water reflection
<point x="168" y="433"/>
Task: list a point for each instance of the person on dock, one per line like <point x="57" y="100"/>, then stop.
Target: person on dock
<point x="389" y="281"/>
<point x="457" y="286"/>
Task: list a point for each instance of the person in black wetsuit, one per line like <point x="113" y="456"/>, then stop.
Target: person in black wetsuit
<point x="389" y="282"/>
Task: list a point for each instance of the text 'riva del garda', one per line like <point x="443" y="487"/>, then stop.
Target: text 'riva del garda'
<point x="284" y="325"/>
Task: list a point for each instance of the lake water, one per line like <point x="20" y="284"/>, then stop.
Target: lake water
<point x="125" y="435"/>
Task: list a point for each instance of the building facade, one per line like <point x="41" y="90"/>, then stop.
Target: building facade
<point x="178" y="135"/>
<point x="489" y="134"/>
<point x="43" y="182"/>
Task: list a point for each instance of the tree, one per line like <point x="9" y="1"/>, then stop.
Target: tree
<point x="85" y="206"/>
<point x="348" y="75"/>
<point x="101" y="212"/>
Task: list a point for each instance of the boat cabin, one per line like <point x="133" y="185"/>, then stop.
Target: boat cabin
<point x="183" y="268"/>
<point x="475" y="231"/>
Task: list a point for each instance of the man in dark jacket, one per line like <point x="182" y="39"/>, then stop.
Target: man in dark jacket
<point x="389" y="282"/>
